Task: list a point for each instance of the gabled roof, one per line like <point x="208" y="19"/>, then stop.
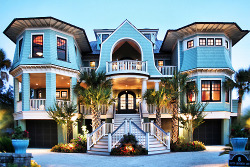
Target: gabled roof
<point x="18" y="25"/>
<point x="231" y="29"/>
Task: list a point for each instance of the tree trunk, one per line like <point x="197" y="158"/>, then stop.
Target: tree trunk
<point x="158" y="116"/>
<point x="174" y="135"/>
<point x="94" y="118"/>
<point x="239" y="108"/>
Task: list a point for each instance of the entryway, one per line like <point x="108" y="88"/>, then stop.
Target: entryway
<point x="126" y="102"/>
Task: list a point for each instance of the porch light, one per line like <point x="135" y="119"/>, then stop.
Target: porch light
<point x="36" y="83"/>
<point x="68" y="83"/>
<point x="39" y="53"/>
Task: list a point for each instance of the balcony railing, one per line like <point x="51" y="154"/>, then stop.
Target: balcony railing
<point x="164" y="110"/>
<point x="87" y="110"/>
<point x="87" y="69"/>
<point x="167" y="70"/>
<point x="37" y="104"/>
<point x="125" y="66"/>
<point x="61" y="103"/>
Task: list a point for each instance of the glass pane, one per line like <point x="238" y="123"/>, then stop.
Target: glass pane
<point x="160" y="63"/>
<point x="92" y="64"/>
<point x="216" y="95"/>
<point x="205" y="94"/>
<point x="61" y="54"/>
<point x="123" y="102"/>
<point x="37" y="52"/>
<point x="130" y="102"/>
<point x="104" y="37"/>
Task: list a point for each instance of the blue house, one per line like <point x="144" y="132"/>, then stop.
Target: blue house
<point x="51" y="53"/>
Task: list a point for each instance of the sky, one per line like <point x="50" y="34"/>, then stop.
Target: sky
<point x="162" y="14"/>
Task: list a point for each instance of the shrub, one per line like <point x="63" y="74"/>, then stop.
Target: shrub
<point x="6" y="145"/>
<point x="129" y="146"/>
<point x="189" y="146"/>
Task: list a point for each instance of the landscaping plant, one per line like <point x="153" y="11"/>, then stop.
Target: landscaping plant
<point x="6" y="145"/>
<point x="20" y="134"/>
<point x="187" y="146"/>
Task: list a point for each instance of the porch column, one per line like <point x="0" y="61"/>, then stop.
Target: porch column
<point x="16" y="94"/>
<point x="143" y="90"/>
<point x="225" y="129"/>
<point x="50" y="89"/>
<point x="157" y="85"/>
<point x="26" y="92"/>
<point x="73" y="97"/>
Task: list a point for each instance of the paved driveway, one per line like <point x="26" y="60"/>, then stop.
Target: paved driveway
<point x="208" y="158"/>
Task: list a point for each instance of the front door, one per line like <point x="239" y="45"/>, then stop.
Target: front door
<point x="126" y="102"/>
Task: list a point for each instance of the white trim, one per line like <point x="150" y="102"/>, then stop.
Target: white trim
<point x="37" y="33"/>
<point x="19" y="54"/>
<point x="128" y="76"/>
<point x="178" y="56"/>
<point x="48" y="28"/>
<point x="59" y="36"/>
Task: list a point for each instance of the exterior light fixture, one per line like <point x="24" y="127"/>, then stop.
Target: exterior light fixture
<point x="39" y="53"/>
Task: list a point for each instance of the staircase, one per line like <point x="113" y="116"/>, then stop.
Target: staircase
<point x="155" y="145"/>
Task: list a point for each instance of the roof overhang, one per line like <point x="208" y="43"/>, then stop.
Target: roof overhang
<point x="231" y="29"/>
<point x="18" y="25"/>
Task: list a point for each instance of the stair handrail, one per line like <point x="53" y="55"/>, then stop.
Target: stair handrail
<point x="140" y="135"/>
<point x="117" y="135"/>
<point x="96" y="135"/>
<point x="160" y="134"/>
<point x="141" y="115"/>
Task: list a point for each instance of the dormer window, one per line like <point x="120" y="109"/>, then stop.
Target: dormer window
<point x="104" y="37"/>
<point x="190" y="44"/>
<point x="61" y="48"/>
<point x="218" y="41"/>
<point x="202" y="41"/>
<point x="37" y="46"/>
<point x="148" y="36"/>
<point x="20" y="46"/>
<point x="226" y="44"/>
<point x="210" y="42"/>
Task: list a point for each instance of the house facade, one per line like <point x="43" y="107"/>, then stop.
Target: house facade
<point x="51" y="53"/>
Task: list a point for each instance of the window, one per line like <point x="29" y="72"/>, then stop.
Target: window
<point x="76" y="50"/>
<point x="218" y="41"/>
<point x="227" y="95"/>
<point x="210" y="42"/>
<point x="20" y="46"/>
<point x="148" y="36"/>
<point x="57" y="94"/>
<point x="202" y="41"/>
<point x="211" y="91"/>
<point x="104" y="37"/>
<point x="160" y="62"/>
<point x="226" y="44"/>
<point x="61" y="48"/>
<point x="190" y="44"/>
<point x="190" y="92"/>
<point x="64" y="94"/>
<point x="37" y="46"/>
<point x="92" y="64"/>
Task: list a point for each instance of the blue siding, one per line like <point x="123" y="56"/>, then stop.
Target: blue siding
<point x="235" y="106"/>
<point x="26" y="92"/>
<point x="50" y="89"/>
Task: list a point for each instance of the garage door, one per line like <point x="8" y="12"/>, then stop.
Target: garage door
<point x="43" y="134"/>
<point x="209" y="132"/>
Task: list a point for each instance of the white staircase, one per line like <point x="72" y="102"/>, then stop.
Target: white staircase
<point x="156" y="138"/>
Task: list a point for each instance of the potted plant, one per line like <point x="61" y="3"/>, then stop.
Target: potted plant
<point x="239" y="136"/>
<point x="20" y="140"/>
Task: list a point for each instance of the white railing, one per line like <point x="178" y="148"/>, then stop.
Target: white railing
<point x="126" y="66"/>
<point x="164" y="109"/>
<point x="86" y="110"/>
<point x="19" y="106"/>
<point x="62" y="103"/>
<point x="140" y="135"/>
<point x="37" y="104"/>
<point x="98" y="133"/>
<point x="87" y="69"/>
<point x="159" y="133"/>
<point x="115" y="137"/>
<point x="167" y="70"/>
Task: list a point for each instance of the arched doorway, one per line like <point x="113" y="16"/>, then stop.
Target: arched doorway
<point x="126" y="102"/>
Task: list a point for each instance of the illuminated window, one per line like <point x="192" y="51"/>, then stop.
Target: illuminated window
<point x="210" y="42"/>
<point x="211" y="91"/>
<point x="37" y="46"/>
<point x="64" y="94"/>
<point x="57" y="94"/>
<point x="190" y="92"/>
<point x="20" y="46"/>
<point x="160" y="63"/>
<point x="148" y="36"/>
<point x="92" y="64"/>
<point x="104" y="37"/>
<point x="226" y="44"/>
<point x="227" y="95"/>
<point x="61" y="48"/>
<point x="190" y="44"/>
<point x="202" y="41"/>
<point x="218" y="41"/>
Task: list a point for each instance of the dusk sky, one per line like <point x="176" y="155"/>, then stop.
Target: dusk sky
<point x="162" y="14"/>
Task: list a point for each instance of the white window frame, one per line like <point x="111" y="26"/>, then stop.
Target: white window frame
<point x="31" y="41"/>
<point x="58" y="36"/>
<point x="19" y="54"/>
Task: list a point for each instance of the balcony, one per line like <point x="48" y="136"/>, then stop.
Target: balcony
<point x="167" y="70"/>
<point x="87" y="69"/>
<point x="126" y="66"/>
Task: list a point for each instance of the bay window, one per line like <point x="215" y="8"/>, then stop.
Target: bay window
<point x="210" y="91"/>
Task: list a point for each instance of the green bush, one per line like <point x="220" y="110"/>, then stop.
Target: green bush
<point x="6" y="145"/>
<point x="185" y="147"/>
<point x="129" y="146"/>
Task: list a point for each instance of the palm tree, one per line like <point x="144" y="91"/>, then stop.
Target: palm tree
<point x="175" y="87"/>
<point x="241" y="83"/>
<point x="159" y="99"/>
<point x="96" y="93"/>
<point x="4" y="62"/>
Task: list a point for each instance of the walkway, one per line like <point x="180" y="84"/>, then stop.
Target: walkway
<point x="208" y="158"/>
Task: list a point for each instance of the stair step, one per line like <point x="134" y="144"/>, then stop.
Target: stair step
<point x="98" y="153"/>
<point x="158" y="152"/>
<point x="100" y="146"/>
<point x="99" y="149"/>
<point x="157" y="148"/>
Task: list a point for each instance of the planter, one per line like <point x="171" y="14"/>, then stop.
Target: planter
<point x="20" y="146"/>
<point x="239" y="143"/>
